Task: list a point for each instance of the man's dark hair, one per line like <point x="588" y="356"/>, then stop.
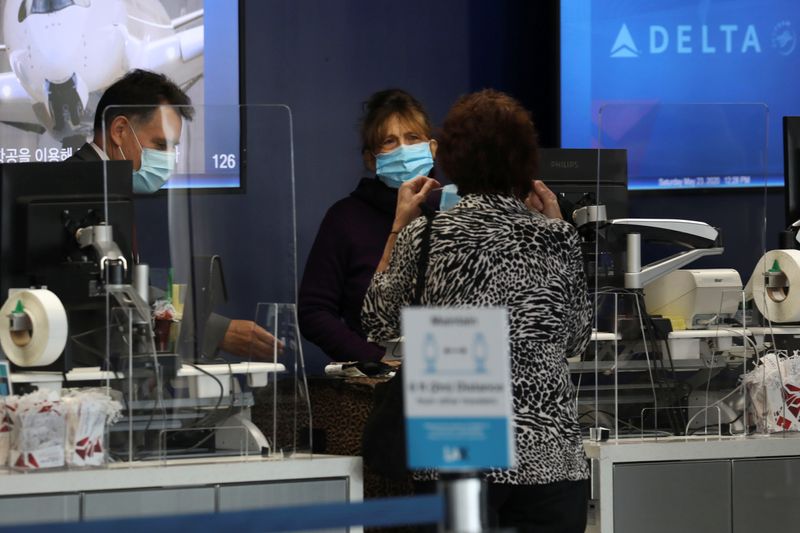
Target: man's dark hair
<point x="137" y="94"/>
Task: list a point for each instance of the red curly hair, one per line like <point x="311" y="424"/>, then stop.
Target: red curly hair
<point x="489" y="145"/>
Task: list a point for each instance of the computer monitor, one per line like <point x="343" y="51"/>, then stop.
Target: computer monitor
<point x="582" y="177"/>
<point x="791" y="169"/>
<point x="38" y="203"/>
<point x="586" y="177"/>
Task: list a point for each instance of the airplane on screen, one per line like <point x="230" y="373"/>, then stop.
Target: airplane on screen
<point x="65" y="53"/>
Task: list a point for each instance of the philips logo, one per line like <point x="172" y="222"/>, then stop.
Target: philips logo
<point x="564" y="164"/>
<point x="704" y="39"/>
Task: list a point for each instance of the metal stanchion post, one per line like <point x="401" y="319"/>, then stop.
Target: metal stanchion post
<point x="465" y="500"/>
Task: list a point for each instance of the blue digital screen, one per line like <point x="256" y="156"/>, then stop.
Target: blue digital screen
<point x="694" y="90"/>
<point x="59" y="57"/>
<point x="220" y="156"/>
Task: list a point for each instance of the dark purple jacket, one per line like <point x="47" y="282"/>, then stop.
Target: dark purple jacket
<point x="345" y="254"/>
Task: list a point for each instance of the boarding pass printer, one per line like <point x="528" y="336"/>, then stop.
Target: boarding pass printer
<point x="694" y="299"/>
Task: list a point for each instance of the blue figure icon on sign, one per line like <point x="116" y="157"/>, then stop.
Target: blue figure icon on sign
<point x="430" y="352"/>
<point x="480" y="351"/>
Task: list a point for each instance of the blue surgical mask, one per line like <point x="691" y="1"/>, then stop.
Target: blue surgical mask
<point x="404" y="163"/>
<point x="156" y="168"/>
<point x="449" y="198"/>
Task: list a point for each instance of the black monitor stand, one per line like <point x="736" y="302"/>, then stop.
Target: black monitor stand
<point x="581" y="177"/>
<point x="41" y="204"/>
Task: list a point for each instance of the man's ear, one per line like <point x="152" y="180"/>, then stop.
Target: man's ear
<point x="118" y="130"/>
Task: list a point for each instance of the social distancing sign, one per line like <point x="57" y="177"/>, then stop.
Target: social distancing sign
<point x="457" y="384"/>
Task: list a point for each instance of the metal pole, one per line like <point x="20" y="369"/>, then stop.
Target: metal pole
<point x="634" y="242"/>
<point x="141" y="281"/>
<point x="633" y="261"/>
<point x="465" y="498"/>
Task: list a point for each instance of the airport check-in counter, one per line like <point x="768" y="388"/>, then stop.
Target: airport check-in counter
<point x="685" y="391"/>
<point x="183" y="439"/>
<point x="677" y="388"/>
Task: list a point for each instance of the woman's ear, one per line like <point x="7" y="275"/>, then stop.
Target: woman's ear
<point x="434" y="144"/>
<point x="369" y="160"/>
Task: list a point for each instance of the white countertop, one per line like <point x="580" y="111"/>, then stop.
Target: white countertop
<point x="181" y="473"/>
<point x="694" y="448"/>
<point x="95" y="374"/>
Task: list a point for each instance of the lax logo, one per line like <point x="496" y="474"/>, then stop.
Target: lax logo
<point x="624" y="45"/>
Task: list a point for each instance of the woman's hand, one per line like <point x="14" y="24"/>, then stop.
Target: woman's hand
<point x="409" y="198"/>
<point x="543" y="200"/>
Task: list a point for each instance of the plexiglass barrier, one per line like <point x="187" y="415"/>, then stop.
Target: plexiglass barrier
<point x="201" y="322"/>
<point x="675" y="274"/>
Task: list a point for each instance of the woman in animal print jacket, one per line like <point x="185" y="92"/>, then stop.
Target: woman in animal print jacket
<point x="503" y="244"/>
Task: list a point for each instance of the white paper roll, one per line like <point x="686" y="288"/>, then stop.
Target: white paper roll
<point x="779" y="304"/>
<point x="48" y="334"/>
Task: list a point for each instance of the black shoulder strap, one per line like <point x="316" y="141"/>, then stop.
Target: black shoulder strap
<point x="422" y="260"/>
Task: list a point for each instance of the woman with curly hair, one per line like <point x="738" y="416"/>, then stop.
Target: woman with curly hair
<point x="503" y="244"/>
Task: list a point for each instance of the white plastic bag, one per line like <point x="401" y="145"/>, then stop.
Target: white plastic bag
<point x="88" y="412"/>
<point x="37" y="436"/>
<point x="774" y="391"/>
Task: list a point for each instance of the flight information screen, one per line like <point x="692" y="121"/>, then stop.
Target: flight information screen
<point x="695" y="90"/>
<point x="60" y="55"/>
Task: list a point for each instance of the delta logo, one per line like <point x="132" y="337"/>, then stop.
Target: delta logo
<point x="704" y="39"/>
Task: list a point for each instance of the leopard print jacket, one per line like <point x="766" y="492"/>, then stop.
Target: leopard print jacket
<point x="490" y="250"/>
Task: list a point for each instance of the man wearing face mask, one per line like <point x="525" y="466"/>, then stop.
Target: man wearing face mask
<point x="143" y="113"/>
<point x="137" y="129"/>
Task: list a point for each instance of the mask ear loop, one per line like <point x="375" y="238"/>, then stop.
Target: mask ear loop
<point x="135" y="137"/>
<point x="119" y="147"/>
